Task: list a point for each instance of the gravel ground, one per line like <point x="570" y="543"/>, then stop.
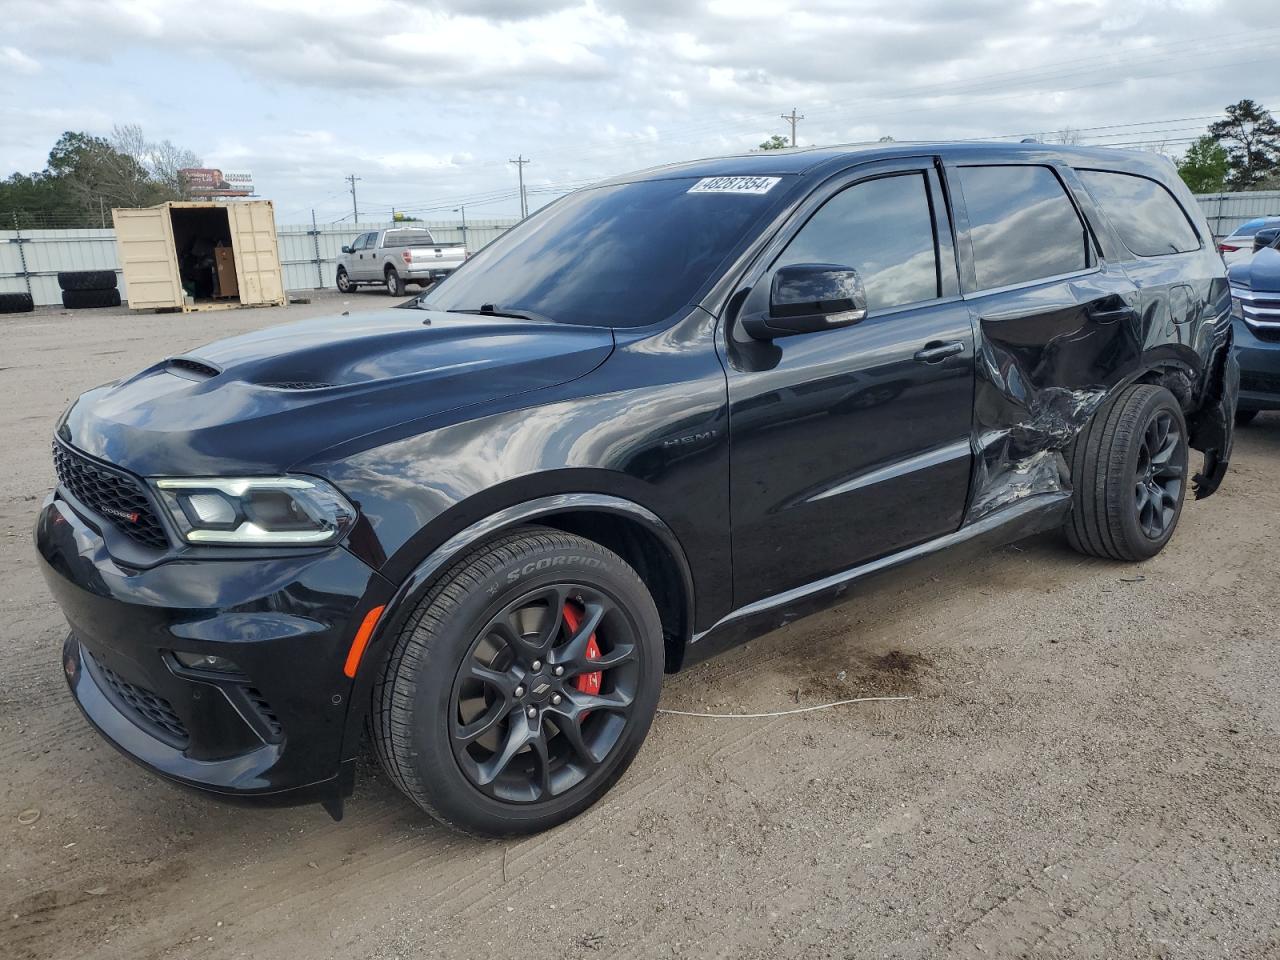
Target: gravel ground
<point x="1088" y="766"/>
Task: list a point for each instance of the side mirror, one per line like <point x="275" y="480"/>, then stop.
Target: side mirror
<point x="346" y="248"/>
<point x="1265" y="238"/>
<point x="808" y="297"/>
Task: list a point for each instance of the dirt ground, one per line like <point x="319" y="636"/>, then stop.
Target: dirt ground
<point x="1088" y="767"/>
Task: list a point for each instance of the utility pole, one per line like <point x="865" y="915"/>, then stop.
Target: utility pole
<point x="793" y="119"/>
<point x="355" y="210"/>
<point x="520" y="161"/>
<point x="463" y="210"/>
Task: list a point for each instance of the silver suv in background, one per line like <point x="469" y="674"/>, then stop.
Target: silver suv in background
<point x="395" y="257"/>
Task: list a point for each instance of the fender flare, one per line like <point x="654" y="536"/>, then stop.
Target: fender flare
<point x="424" y="574"/>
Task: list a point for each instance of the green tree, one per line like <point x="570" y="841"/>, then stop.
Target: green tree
<point x="86" y="175"/>
<point x="1252" y="139"/>
<point x="775" y="143"/>
<point x="1204" y="166"/>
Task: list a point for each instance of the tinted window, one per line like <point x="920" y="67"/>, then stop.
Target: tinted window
<point x="883" y="229"/>
<point x="1144" y="213"/>
<point x="405" y="238"/>
<point x="1022" y="224"/>
<point x="1248" y="230"/>
<point x="363" y="241"/>
<point x="625" y="255"/>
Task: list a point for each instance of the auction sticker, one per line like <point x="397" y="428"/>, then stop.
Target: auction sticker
<point x="755" y="185"/>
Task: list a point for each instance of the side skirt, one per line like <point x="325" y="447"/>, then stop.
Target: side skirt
<point x="1033" y="515"/>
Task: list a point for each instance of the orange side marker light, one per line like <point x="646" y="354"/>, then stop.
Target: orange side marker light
<point x="361" y="641"/>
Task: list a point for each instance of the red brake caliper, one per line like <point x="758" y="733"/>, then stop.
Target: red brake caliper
<point x="586" y="682"/>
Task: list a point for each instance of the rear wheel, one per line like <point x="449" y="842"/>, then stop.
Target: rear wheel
<point x="395" y="283"/>
<point x="344" y="281"/>
<point x="1245" y="417"/>
<point x="522" y="686"/>
<point x="1128" y="470"/>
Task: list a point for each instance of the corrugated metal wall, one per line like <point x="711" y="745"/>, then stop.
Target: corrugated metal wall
<point x="1226" y="211"/>
<point x="309" y="258"/>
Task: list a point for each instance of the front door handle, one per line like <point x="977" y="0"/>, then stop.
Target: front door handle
<point x="936" y="351"/>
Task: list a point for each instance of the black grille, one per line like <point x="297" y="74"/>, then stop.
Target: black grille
<point x="114" y="496"/>
<point x="269" y="718"/>
<point x="1259" y="382"/>
<point x="148" y="710"/>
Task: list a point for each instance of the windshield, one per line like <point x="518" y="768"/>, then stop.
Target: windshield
<point x="627" y="255"/>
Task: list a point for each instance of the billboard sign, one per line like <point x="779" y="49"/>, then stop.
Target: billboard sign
<point x="210" y="182"/>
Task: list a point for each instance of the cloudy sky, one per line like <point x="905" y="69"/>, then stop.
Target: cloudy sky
<point x="426" y="100"/>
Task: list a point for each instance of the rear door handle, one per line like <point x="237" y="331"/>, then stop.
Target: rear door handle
<point x="937" y="350"/>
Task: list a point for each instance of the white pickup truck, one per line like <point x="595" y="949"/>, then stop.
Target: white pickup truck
<point x="394" y="257"/>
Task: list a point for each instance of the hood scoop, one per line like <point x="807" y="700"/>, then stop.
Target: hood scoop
<point x="191" y="369"/>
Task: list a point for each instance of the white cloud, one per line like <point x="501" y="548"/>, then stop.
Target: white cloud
<point x="428" y="99"/>
<point x="13" y="60"/>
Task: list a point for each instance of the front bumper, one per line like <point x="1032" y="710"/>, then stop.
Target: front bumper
<point x="275" y="731"/>
<point x="1259" y="360"/>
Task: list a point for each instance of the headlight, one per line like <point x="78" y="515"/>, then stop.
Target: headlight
<point x="257" y="511"/>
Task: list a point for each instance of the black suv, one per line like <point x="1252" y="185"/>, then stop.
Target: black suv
<point x="662" y="415"/>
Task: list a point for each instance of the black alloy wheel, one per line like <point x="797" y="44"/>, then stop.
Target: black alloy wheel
<point x="520" y="687"/>
<point x="1129" y="475"/>
<point x="544" y="693"/>
<point x="1160" y="475"/>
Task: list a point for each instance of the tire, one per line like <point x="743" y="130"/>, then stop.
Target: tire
<point x="16" y="303"/>
<point x="1126" y="503"/>
<point x="344" y="282"/>
<point x="395" y="283"/>
<point x="80" y="299"/>
<point x="87" y="279"/>
<point x="1245" y="417"/>
<point x="428" y="702"/>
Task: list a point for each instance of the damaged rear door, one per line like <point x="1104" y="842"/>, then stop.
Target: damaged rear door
<point x="1056" y="324"/>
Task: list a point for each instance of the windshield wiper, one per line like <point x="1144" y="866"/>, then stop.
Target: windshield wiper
<point x="514" y="313"/>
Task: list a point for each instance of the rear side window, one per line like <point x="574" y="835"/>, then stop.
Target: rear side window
<point x="1144" y="213"/>
<point x="883" y="229"/>
<point x="1022" y="224"/>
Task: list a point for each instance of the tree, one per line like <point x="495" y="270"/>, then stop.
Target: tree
<point x="775" y="143"/>
<point x="1066" y="136"/>
<point x="1252" y="138"/>
<point x="86" y="175"/>
<point x="1204" y="166"/>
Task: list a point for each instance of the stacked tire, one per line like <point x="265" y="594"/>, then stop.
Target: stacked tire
<point x="16" y="303"/>
<point x="83" y="289"/>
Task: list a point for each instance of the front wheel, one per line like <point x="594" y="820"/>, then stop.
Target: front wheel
<point x="522" y="686"/>
<point x="1129" y="472"/>
<point x="344" y="281"/>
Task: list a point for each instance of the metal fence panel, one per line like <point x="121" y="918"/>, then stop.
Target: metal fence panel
<point x="1226" y="211"/>
<point x="309" y="255"/>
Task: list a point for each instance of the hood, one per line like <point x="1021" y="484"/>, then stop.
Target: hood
<point x="1262" y="272"/>
<point x="262" y="402"/>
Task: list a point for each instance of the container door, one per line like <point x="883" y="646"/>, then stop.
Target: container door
<point x="144" y="243"/>
<point x="253" y="238"/>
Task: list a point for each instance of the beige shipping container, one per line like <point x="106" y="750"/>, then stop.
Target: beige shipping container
<point x="200" y="255"/>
